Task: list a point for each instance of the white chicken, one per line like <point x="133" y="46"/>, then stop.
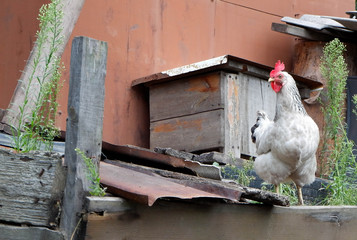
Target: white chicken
<point x="286" y="147"/>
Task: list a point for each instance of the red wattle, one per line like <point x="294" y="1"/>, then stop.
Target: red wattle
<point x="276" y="86"/>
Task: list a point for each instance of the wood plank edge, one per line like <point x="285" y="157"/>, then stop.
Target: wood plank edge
<point x="17" y="232"/>
<point x="107" y="204"/>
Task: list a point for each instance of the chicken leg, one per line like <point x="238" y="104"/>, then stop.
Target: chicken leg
<point x="277" y="188"/>
<point x="299" y="192"/>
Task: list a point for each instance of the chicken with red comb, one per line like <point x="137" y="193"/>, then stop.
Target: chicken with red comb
<point x="286" y="146"/>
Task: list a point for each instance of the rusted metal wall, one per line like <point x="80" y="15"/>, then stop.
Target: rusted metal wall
<point x="149" y="36"/>
<point x="18" y="25"/>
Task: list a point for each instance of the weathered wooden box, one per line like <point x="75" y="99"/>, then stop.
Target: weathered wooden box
<point x="210" y="105"/>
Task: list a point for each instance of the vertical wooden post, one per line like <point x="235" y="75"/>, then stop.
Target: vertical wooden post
<point x="84" y="123"/>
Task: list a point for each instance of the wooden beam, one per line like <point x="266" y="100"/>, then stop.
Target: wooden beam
<point x="71" y="11"/>
<point x="84" y="123"/>
<point x="107" y="204"/>
<point x="24" y="233"/>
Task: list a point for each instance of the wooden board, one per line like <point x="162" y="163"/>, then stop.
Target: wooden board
<point x="254" y="94"/>
<point x="183" y="220"/>
<point x="232" y="131"/>
<point x="185" y="96"/>
<point x="190" y="133"/>
<point x="31" y="188"/>
<point x="9" y="232"/>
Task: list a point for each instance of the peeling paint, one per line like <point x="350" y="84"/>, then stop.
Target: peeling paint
<point x="197" y="66"/>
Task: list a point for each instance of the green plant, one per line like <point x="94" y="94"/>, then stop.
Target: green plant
<point x="337" y="149"/>
<point x="92" y="175"/>
<point x="37" y="126"/>
<point x="241" y="174"/>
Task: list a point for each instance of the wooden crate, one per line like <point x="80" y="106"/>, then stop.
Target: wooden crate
<point x="210" y="105"/>
<point x="208" y="112"/>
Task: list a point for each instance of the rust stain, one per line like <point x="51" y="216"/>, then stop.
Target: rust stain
<point x="197" y="124"/>
<point x="205" y="84"/>
<point x="170" y="127"/>
<point x="166" y="127"/>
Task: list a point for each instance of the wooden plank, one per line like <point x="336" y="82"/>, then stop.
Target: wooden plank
<point x="84" y="124"/>
<point x="71" y="11"/>
<point x="254" y="94"/>
<point x="231" y="126"/>
<point x="185" y="96"/>
<point x="202" y="131"/>
<point x="31" y="188"/>
<point x="106" y="204"/>
<point x="225" y="221"/>
<point x="9" y="232"/>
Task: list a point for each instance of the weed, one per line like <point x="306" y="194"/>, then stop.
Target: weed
<point x="338" y="149"/>
<point x="36" y="126"/>
<point x="241" y="174"/>
<point x="92" y="175"/>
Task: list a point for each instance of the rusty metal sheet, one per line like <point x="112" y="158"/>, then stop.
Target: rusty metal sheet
<point x="146" y="156"/>
<point x="146" y="186"/>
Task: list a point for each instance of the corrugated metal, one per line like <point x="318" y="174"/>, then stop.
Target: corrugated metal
<point x="7" y="141"/>
<point x="320" y="28"/>
<point x="147" y="187"/>
<point x="349" y="23"/>
<point x="147" y="157"/>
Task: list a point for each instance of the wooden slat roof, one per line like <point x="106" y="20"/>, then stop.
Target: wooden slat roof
<point x="226" y="63"/>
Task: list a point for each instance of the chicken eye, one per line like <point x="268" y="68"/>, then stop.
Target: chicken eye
<point x="280" y="76"/>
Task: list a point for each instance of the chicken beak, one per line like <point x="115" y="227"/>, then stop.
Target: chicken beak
<point x="271" y="80"/>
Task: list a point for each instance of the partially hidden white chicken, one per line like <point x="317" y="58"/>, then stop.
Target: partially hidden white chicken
<point x="286" y="146"/>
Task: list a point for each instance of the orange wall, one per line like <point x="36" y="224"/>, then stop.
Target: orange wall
<point x="18" y="26"/>
<point x="148" y="36"/>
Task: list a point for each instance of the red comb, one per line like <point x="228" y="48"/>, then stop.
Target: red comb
<point x="279" y="66"/>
